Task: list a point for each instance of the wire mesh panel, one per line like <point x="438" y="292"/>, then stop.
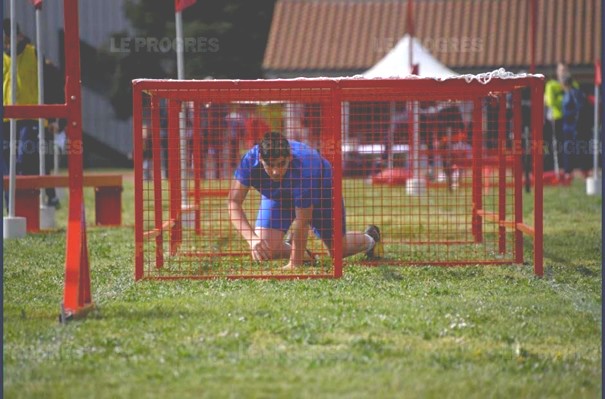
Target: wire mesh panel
<point x="434" y="167"/>
<point x="196" y="141"/>
<point x="414" y="172"/>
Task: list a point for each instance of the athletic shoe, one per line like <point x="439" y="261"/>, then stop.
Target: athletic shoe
<point x="377" y="251"/>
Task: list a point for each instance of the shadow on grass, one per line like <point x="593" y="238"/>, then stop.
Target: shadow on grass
<point x="136" y="313"/>
<point x="571" y="246"/>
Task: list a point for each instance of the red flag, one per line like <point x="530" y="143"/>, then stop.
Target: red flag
<point x="37" y="4"/>
<point x="597" y="73"/>
<point x="180" y="5"/>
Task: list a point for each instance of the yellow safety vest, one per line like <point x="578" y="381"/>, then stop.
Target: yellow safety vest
<point x="27" y="77"/>
<point x="553" y="97"/>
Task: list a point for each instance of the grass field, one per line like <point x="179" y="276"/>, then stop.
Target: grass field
<point x="470" y="332"/>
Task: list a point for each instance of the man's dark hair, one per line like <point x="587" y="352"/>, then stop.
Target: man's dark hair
<point x="6" y="27"/>
<point x="274" y="145"/>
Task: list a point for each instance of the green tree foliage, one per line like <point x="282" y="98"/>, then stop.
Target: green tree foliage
<point x="223" y="39"/>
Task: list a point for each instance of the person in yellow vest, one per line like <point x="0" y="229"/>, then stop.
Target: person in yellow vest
<point x="553" y="99"/>
<point x="27" y="93"/>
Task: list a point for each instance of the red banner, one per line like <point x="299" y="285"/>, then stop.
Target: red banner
<point x="36" y="3"/>
<point x="597" y="73"/>
<point x="180" y="5"/>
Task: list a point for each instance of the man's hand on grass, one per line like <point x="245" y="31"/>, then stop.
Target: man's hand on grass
<point x="260" y="249"/>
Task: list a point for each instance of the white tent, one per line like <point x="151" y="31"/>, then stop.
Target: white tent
<point x="397" y="62"/>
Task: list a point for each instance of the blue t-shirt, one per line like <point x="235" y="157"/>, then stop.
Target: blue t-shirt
<point x="307" y="175"/>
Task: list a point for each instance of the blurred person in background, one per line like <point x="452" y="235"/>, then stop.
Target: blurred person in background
<point x="553" y="99"/>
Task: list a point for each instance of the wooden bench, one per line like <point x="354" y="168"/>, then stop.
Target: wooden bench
<point x="108" y="197"/>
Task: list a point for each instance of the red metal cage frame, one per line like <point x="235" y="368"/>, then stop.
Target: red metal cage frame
<point x="345" y="89"/>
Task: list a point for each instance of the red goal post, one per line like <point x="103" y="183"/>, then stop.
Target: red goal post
<point x="436" y="164"/>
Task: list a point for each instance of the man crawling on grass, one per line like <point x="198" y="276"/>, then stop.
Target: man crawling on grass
<point x="295" y="184"/>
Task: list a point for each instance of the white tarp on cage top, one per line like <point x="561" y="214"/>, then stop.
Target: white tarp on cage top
<point x="397" y="62"/>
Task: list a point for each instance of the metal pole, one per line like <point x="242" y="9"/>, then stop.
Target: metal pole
<point x="416" y="185"/>
<point x="416" y="148"/>
<point x="13" y="122"/>
<point x="180" y="66"/>
<point x="595" y="144"/>
<point x="533" y="6"/>
<point x="41" y="135"/>
<point x="391" y="137"/>
<point x="345" y="121"/>
<point x="55" y="159"/>
<point x="537" y="95"/>
<point x="410" y="29"/>
<point x="179" y="45"/>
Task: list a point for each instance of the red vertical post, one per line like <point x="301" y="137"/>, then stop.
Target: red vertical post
<point x="537" y="115"/>
<point x="327" y="145"/>
<point x="477" y="166"/>
<point x="211" y="138"/>
<point x="156" y="128"/>
<point x="332" y="111"/>
<point x="197" y="165"/>
<point x="502" y="174"/>
<point x="533" y="39"/>
<point x="137" y="143"/>
<point x="77" y="277"/>
<point x="518" y="152"/>
<point x="325" y="134"/>
<point x="174" y="173"/>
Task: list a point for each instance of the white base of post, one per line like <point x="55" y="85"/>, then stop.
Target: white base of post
<point x="14" y="227"/>
<point x="593" y="186"/>
<point x="415" y="186"/>
<point x="188" y="218"/>
<point x="47" y="217"/>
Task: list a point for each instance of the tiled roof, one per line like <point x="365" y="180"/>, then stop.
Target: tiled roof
<point x="353" y="35"/>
